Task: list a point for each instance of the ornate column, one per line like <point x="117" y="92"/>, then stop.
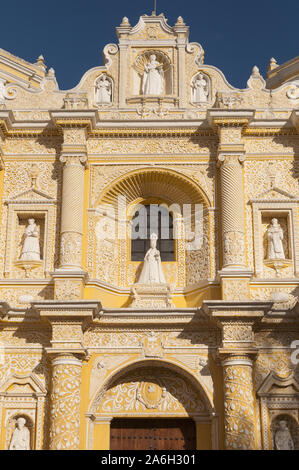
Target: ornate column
<point x="69" y="278"/>
<point x="74" y="158"/>
<point x="236" y="354"/>
<point x="66" y="354"/>
<point x="231" y="155"/>
<point x="65" y="402"/>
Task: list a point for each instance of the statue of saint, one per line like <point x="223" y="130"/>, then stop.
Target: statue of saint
<point x="153" y="77"/>
<point x="283" y="439"/>
<point x="275" y="236"/>
<point x="103" y="93"/>
<point x="31" y="249"/>
<point x="200" y="89"/>
<point x="21" y="436"/>
<point x="152" y="272"/>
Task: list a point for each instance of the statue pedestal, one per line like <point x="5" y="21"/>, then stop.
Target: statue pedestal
<point x="28" y="265"/>
<point x="278" y="264"/>
<point x="151" y="296"/>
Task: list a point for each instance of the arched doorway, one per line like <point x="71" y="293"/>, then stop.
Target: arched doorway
<point x="151" y="406"/>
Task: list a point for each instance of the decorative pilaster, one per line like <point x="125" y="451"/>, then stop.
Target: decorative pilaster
<point x="231" y="155"/>
<point x="236" y="354"/>
<point x="122" y="31"/>
<point x="182" y="32"/>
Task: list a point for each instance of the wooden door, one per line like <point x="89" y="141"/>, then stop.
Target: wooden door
<point x="152" y="434"/>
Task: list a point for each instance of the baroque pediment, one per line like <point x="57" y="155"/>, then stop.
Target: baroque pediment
<point x="22" y="384"/>
<point x="31" y="195"/>
<point x="148" y="28"/>
<point x="274" y="194"/>
<point x="276" y="385"/>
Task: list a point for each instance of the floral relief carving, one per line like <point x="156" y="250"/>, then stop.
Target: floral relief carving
<point x="150" y="389"/>
<point x="68" y="289"/>
<point x="70" y="251"/>
<point x="65" y="407"/>
<point x="239" y="408"/>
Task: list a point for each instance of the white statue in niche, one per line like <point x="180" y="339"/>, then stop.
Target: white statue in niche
<point x="283" y="439"/>
<point x="21" y="436"/>
<point x="275" y="236"/>
<point x="103" y="90"/>
<point x="152" y="272"/>
<point x="200" y="89"/>
<point x="153" y="77"/>
<point x="31" y="248"/>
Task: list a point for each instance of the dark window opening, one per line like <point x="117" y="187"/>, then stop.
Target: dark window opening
<point x="152" y="219"/>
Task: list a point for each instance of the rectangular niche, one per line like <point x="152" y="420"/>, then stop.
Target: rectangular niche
<point x="285" y="222"/>
<point x="29" y="268"/>
<point x="22" y="223"/>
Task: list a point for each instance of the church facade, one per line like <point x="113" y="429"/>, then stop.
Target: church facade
<point x="184" y="341"/>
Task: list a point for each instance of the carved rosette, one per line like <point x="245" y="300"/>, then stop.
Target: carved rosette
<point x="65" y="403"/>
<point x="238" y="403"/>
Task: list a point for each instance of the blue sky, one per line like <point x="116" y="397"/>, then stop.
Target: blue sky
<point x="72" y="34"/>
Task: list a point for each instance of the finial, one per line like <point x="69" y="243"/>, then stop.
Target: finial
<point x="272" y="64"/>
<point x="255" y="70"/>
<point x="51" y="72"/>
<point x="180" y="21"/>
<point x="41" y="62"/>
<point x="125" y="21"/>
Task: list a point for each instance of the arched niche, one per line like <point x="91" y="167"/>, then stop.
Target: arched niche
<point x="138" y="71"/>
<point x="151" y="389"/>
<point x="290" y="423"/>
<point x="11" y="426"/>
<point x="115" y="208"/>
<point x="201" y="92"/>
<point x="103" y="90"/>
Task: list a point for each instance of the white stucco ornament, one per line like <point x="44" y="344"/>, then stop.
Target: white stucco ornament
<point x="103" y="90"/>
<point x="152" y="272"/>
<point x="21" y="436"/>
<point x="275" y="237"/>
<point x="283" y="439"/>
<point x="153" y="77"/>
<point x="31" y="249"/>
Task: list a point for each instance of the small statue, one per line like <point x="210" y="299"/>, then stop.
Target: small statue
<point x="153" y="77"/>
<point x="31" y="248"/>
<point x="103" y="90"/>
<point x="152" y="272"/>
<point x="283" y="439"/>
<point x="275" y="236"/>
<point x="200" y="89"/>
<point x="21" y="436"/>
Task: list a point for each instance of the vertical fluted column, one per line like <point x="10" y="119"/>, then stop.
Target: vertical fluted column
<point x="239" y="418"/>
<point x="232" y="210"/>
<point x="65" y="402"/>
<point x="72" y="211"/>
